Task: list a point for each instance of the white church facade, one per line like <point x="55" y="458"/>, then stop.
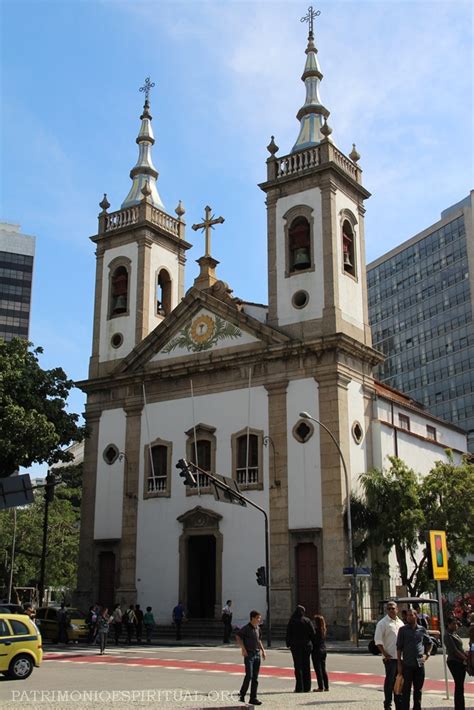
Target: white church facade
<point x="208" y="377"/>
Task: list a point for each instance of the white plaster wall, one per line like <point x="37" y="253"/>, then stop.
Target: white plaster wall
<point x="446" y="435"/>
<point x="310" y="281"/>
<point x="109" y="483"/>
<point x="357" y="463"/>
<point x="243" y="339"/>
<point x="242" y="528"/>
<point x="161" y="259"/>
<point x="350" y="289"/>
<point x="304" y="460"/>
<point x="119" y="324"/>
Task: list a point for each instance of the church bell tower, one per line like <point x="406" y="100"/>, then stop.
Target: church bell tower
<point x="140" y="260"/>
<point x="315" y="226"/>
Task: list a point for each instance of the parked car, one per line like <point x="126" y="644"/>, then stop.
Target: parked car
<point x="47" y="621"/>
<point x="20" y="646"/>
<point x="428" y="611"/>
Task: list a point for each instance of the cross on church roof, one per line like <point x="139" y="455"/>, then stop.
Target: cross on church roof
<point x="147" y="87"/>
<point x="310" y="17"/>
<point x="206" y="225"/>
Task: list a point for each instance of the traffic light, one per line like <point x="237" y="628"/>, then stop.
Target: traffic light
<point x="439" y="554"/>
<point x="49" y="488"/>
<point x="185" y="473"/>
<point x="261" y="577"/>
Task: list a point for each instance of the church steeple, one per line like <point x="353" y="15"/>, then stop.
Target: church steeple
<point x="144" y="172"/>
<point x="312" y="115"/>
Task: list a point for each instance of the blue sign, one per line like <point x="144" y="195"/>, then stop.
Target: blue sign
<point x="359" y="571"/>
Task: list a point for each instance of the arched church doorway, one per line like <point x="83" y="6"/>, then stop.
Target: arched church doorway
<point x="201" y="576"/>
<point x="200" y="563"/>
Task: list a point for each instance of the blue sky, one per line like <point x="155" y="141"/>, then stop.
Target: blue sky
<point x="397" y="80"/>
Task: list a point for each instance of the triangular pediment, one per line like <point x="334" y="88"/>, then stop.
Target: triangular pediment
<point x="201" y="324"/>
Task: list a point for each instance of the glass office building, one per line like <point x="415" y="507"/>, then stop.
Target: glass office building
<point x="421" y="314"/>
<point x="17" y="253"/>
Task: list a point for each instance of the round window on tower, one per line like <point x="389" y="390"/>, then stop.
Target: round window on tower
<point x="357" y="433"/>
<point x="300" y="299"/>
<point x="303" y="431"/>
<point x="116" y="340"/>
<point x="111" y="454"/>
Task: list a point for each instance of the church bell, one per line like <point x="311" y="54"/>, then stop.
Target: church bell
<point x="301" y="258"/>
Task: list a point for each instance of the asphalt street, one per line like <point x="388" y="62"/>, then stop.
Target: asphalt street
<point x="136" y="677"/>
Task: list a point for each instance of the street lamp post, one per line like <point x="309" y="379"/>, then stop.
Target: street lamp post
<point x="355" y="635"/>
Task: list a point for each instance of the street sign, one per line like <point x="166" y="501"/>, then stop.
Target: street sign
<point x="222" y="493"/>
<point x="15" y="491"/>
<point x="359" y="571"/>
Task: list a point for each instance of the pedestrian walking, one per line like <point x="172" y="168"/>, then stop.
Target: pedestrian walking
<point x="63" y="623"/>
<point x="249" y="640"/>
<point x="319" y="653"/>
<point x="457" y="660"/>
<point x="130" y="622"/>
<point x="139" y="622"/>
<point x="386" y="633"/>
<point x="117" y="623"/>
<point x="300" y="638"/>
<point x="149" y="622"/>
<point x="91" y="623"/>
<point x="413" y="650"/>
<point x="178" y="617"/>
<point x="103" y="629"/>
<point x="227" y="620"/>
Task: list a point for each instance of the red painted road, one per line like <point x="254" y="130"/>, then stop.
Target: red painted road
<point x="272" y="671"/>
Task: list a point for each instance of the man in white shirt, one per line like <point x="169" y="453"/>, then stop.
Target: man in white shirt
<point x="385" y="639"/>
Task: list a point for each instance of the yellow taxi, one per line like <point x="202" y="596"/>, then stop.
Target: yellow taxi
<point x="47" y="620"/>
<point x="20" y="646"/>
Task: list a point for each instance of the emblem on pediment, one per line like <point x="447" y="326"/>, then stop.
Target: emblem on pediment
<point x="200" y="518"/>
<point x="202" y="333"/>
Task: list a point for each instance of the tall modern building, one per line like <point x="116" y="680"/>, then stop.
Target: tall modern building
<point x="421" y="297"/>
<point x="17" y="253"/>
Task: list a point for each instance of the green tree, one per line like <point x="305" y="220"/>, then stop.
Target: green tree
<point x="34" y="424"/>
<point x="397" y="507"/>
<point x="63" y="536"/>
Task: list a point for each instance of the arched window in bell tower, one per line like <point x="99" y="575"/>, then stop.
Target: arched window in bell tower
<point x="299" y="245"/>
<point x="119" y="291"/>
<point x="348" y="248"/>
<point x="163" y="293"/>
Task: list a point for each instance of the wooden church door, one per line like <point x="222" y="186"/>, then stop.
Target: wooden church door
<point x="307" y="592"/>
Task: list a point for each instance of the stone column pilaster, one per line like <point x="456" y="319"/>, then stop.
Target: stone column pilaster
<point x="335" y="589"/>
<point x="278" y="503"/>
<point x="85" y="592"/>
<point x="144" y="286"/>
<point x="127" y="591"/>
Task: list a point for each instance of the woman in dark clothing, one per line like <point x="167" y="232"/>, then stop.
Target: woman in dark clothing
<point x="457" y="659"/>
<point x="299" y="639"/>
<point x="319" y="653"/>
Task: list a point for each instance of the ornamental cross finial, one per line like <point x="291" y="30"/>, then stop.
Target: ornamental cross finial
<point x="147" y="87"/>
<point x="310" y="17"/>
<point x="206" y="225"/>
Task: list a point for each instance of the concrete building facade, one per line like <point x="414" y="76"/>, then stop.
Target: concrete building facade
<point x="17" y="252"/>
<point x="421" y="305"/>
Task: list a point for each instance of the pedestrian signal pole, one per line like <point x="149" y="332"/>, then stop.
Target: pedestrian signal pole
<point x="233" y="495"/>
<point x="439" y="565"/>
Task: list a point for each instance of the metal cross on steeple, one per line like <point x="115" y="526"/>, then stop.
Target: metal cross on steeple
<point x="147" y="87"/>
<point x="310" y="17"/>
<point x="206" y="225"/>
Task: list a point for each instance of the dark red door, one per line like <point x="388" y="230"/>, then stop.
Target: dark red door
<point x="307" y="592"/>
<point x="107" y="579"/>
